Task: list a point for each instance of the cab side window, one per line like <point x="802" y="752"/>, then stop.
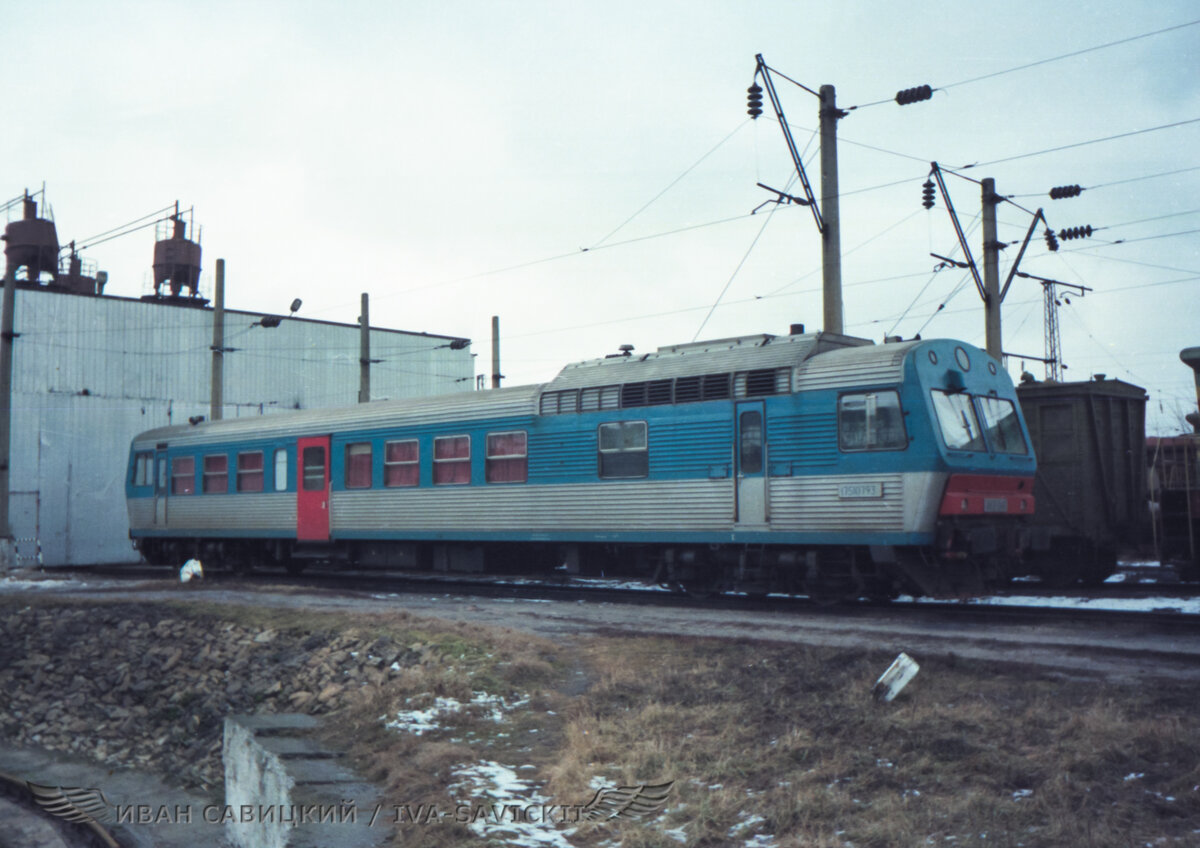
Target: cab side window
<point x="871" y="421"/>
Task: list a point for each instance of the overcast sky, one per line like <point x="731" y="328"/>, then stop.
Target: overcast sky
<point x="455" y="159"/>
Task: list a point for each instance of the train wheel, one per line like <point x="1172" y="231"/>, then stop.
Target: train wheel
<point x="239" y="564"/>
<point x="698" y="574"/>
<point x="834" y="578"/>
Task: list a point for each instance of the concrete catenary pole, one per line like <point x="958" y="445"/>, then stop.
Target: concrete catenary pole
<point x="831" y="241"/>
<point x="7" y="549"/>
<point x="495" y="351"/>
<point x="217" y="403"/>
<point x="364" y="351"/>
<point x="991" y="270"/>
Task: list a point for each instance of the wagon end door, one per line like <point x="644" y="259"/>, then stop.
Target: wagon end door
<point x="750" y="453"/>
<point x="312" y="489"/>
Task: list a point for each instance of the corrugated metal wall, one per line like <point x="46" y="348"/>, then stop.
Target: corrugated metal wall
<point x="90" y="373"/>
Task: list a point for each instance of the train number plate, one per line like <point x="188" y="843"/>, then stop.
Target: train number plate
<point x="860" y="490"/>
<point x="995" y="504"/>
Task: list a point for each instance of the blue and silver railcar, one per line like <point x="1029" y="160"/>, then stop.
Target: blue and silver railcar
<point x="817" y="463"/>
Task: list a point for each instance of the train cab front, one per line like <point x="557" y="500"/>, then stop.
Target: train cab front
<point x="983" y="526"/>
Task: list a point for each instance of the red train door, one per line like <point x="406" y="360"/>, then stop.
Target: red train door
<point x="312" y="489"/>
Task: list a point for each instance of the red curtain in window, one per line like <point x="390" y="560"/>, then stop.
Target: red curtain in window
<point x="358" y="466"/>
<point x="452" y="460"/>
<point x="452" y="447"/>
<point x="400" y="466"/>
<point x="183" y="475"/>
<point x="506" y="458"/>
<point x="250" y="472"/>
<point x="216" y="474"/>
<point x="458" y="471"/>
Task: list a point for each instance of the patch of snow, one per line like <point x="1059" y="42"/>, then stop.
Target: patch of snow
<point x="1187" y="606"/>
<point x="744" y="830"/>
<point x="491" y="707"/>
<point x="17" y="584"/>
<point x="1135" y="775"/>
<point x="677" y="834"/>
<point x="496" y="797"/>
<point x="420" y="722"/>
<point x="1022" y="793"/>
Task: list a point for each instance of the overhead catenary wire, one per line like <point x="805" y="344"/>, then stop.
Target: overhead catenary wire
<point x="740" y="264"/>
<point x="1120" y="182"/>
<point x="1039" y="62"/>
<point x="1060" y="148"/>
<point x="1070" y="55"/>
<point x="672" y="184"/>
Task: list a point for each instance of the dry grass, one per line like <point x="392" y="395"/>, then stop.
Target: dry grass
<point x="774" y="739"/>
<point x="786" y="741"/>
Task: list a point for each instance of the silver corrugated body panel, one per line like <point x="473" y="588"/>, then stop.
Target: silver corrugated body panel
<point x="859" y="366"/>
<point x="813" y="504"/>
<point x="716" y="357"/>
<point x="923" y="499"/>
<point x="141" y="513"/>
<point x="92" y="372"/>
<point x="496" y="403"/>
<point x="697" y="505"/>
<point x="267" y="511"/>
<point x="907" y="503"/>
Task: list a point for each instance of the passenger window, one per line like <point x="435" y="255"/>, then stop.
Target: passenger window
<point x="623" y="450"/>
<point x="452" y="460"/>
<point x="183" y="475"/>
<point x="871" y="421"/>
<point x="216" y="474"/>
<point x="401" y="463"/>
<point x="507" y="458"/>
<point x="250" y="471"/>
<point x="358" y="465"/>
<point x="956" y="418"/>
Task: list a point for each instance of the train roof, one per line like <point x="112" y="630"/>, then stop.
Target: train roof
<point x="820" y="360"/>
<point x="745" y="353"/>
<point x="464" y="406"/>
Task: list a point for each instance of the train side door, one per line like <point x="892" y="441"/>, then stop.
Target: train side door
<point x="749" y="453"/>
<point x="161" y="481"/>
<point x="312" y="489"/>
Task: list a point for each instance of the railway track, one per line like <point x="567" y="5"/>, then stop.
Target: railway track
<point x="1074" y="642"/>
<point x="1013" y="605"/>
